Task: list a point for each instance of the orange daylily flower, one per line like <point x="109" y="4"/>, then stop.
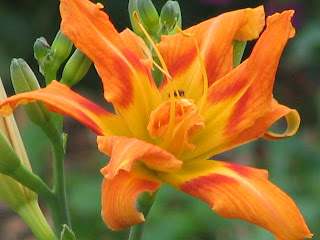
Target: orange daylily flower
<point x="204" y="106"/>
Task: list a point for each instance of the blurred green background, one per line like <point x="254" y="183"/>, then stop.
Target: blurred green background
<point x="293" y="163"/>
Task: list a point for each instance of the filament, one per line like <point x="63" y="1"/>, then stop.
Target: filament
<point x="164" y="70"/>
<point x="202" y="65"/>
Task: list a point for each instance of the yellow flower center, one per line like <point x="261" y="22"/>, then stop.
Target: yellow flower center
<point x="174" y="130"/>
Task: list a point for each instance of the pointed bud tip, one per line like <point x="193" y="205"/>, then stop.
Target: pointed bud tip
<point x="24" y="80"/>
<point x="62" y="47"/>
<point x="41" y="49"/>
<point x="170" y="17"/>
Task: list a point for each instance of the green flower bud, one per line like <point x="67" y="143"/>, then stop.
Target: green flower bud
<point x="43" y="54"/>
<point x="9" y="161"/>
<point x="61" y="48"/>
<point x="147" y="14"/>
<point x="41" y="49"/>
<point x="11" y="192"/>
<point x="24" y="80"/>
<point x="50" y="59"/>
<point x="170" y="17"/>
<point x="13" y="157"/>
<point x="76" y="68"/>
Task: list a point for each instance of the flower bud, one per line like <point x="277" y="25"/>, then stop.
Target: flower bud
<point x="61" y="48"/>
<point x="9" y="161"/>
<point x="43" y="54"/>
<point x="24" y="80"/>
<point x="11" y="192"/>
<point x="147" y="14"/>
<point x="50" y="59"/>
<point x="170" y="17"/>
<point x="41" y="49"/>
<point x="76" y="68"/>
<point x="13" y="157"/>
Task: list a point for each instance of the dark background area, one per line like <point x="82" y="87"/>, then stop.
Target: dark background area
<point x="293" y="163"/>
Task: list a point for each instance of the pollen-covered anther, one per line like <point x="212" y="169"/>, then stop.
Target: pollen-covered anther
<point x="187" y="121"/>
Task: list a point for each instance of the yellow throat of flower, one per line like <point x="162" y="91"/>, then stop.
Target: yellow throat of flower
<point x="178" y="118"/>
<point x="174" y="129"/>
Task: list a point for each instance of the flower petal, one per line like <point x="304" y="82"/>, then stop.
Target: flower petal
<point x="237" y="100"/>
<point x="293" y="123"/>
<point x="135" y="44"/>
<point x="214" y="37"/>
<point x="127" y="82"/>
<point x="61" y="99"/>
<point x="119" y="197"/>
<point x="261" y="125"/>
<point x="235" y="191"/>
<point x="126" y="151"/>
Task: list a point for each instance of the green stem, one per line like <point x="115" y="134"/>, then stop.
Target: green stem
<point x="136" y="232"/>
<point x="49" y="76"/>
<point x="58" y="207"/>
<point x="33" y="217"/>
<point x="145" y="203"/>
<point x="59" y="182"/>
<point x="238" y="50"/>
<point x="156" y="74"/>
<point x="54" y="130"/>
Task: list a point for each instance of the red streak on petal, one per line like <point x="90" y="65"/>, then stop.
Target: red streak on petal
<point x="238" y="114"/>
<point x="92" y="106"/>
<point x="208" y="184"/>
<point x="180" y="66"/>
<point x="121" y="88"/>
<point x="80" y="115"/>
<point x="239" y="169"/>
<point x="222" y="91"/>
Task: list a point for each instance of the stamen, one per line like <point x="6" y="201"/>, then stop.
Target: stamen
<point x="164" y="68"/>
<point x="161" y="70"/>
<point x="136" y="17"/>
<point x="203" y="68"/>
<point x="165" y="71"/>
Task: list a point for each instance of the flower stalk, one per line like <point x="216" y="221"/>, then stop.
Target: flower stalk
<point x="33" y="217"/>
<point x="23" y="80"/>
<point x="49" y="65"/>
<point x="145" y="202"/>
<point x="238" y="51"/>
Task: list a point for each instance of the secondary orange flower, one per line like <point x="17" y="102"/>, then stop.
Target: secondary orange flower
<point x="203" y="107"/>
